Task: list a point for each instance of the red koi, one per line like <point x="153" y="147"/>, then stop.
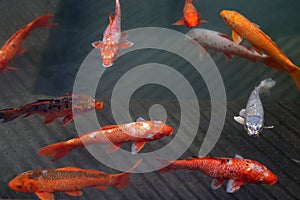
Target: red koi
<point x="139" y="133"/>
<point x="55" y="108"/>
<point x="191" y="17"/>
<point x="13" y="46"/>
<point x="237" y="170"/>
<point x="111" y="44"/>
<point x="70" y="180"/>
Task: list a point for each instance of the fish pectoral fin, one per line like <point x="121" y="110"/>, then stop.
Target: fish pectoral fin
<point x="125" y="44"/>
<point x="45" y="195"/>
<point x="236" y="37"/>
<point x="124" y="35"/>
<point x="97" y="45"/>
<point x="114" y="147"/>
<point x="180" y="22"/>
<point x="137" y="146"/>
<point x="257" y="50"/>
<point x="239" y="120"/>
<point x="11" y="68"/>
<point x="242" y="112"/>
<point x="21" y="51"/>
<point x="228" y="56"/>
<point x="233" y="185"/>
<point x="101" y="187"/>
<point x="67" y="119"/>
<point x="216" y="183"/>
<point x="49" y="120"/>
<point x="74" y="193"/>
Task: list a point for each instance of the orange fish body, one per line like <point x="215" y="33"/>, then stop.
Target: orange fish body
<point x="191" y="17"/>
<point x="237" y="170"/>
<point x="13" y="46"/>
<point x="243" y="28"/>
<point x="111" y="44"/>
<point x="138" y="132"/>
<point x="69" y="180"/>
<point x="67" y="106"/>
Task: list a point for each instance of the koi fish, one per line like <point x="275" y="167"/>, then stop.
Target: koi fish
<point x="253" y="116"/>
<point x="13" y="46"/>
<point x="191" y="17"/>
<point x="236" y="170"/>
<point x="243" y="28"/>
<point x="223" y="43"/>
<point x="70" y="180"/>
<point x="111" y="44"/>
<point x="67" y="106"/>
<point x="139" y="133"/>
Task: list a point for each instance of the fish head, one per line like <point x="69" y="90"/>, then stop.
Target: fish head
<point x="230" y="17"/>
<point x="161" y="130"/>
<point x="82" y="103"/>
<point x="254" y="125"/>
<point x="109" y="52"/>
<point x="22" y="183"/>
<point x="259" y="174"/>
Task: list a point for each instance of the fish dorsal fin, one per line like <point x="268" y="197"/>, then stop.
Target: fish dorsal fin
<point x="233" y="185"/>
<point x="238" y="156"/>
<point x="140" y="119"/>
<point x="109" y="127"/>
<point x="137" y="146"/>
<point x="45" y="195"/>
<point x="236" y="37"/>
<point x="113" y="147"/>
<point x="111" y="18"/>
<point x="225" y="36"/>
<point x="216" y="183"/>
<point x="74" y="193"/>
<point x="70" y="168"/>
<point x="101" y="187"/>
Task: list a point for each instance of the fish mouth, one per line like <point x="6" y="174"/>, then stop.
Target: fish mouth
<point x="107" y="64"/>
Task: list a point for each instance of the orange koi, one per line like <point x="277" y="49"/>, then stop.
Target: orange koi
<point x="13" y="46"/>
<point x="191" y="17"/>
<point x="70" y="180"/>
<point x="139" y="133"/>
<point x="243" y="28"/>
<point x="237" y="170"/>
<point x="111" y="44"/>
<point x="67" y="106"/>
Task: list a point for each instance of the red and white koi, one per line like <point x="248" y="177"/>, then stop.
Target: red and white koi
<point x="111" y="44"/>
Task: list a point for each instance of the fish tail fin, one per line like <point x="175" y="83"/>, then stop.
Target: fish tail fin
<point x="295" y="74"/>
<point x="266" y="85"/>
<point x="42" y="21"/>
<point x="123" y="178"/>
<point x="10" y="114"/>
<point x="58" y="150"/>
<point x="165" y="165"/>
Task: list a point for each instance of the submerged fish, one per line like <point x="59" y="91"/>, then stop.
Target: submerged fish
<point x="70" y="180"/>
<point x="139" y="133"/>
<point x="237" y="170"/>
<point x="223" y="43"/>
<point x="13" y="46"/>
<point x="253" y="116"/>
<point x="67" y="106"/>
<point x="111" y="44"/>
<point x="243" y="28"/>
<point x="191" y="17"/>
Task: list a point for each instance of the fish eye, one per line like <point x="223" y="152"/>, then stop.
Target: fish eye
<point x="161" y="133"/>
<point x="18" y="186"/>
